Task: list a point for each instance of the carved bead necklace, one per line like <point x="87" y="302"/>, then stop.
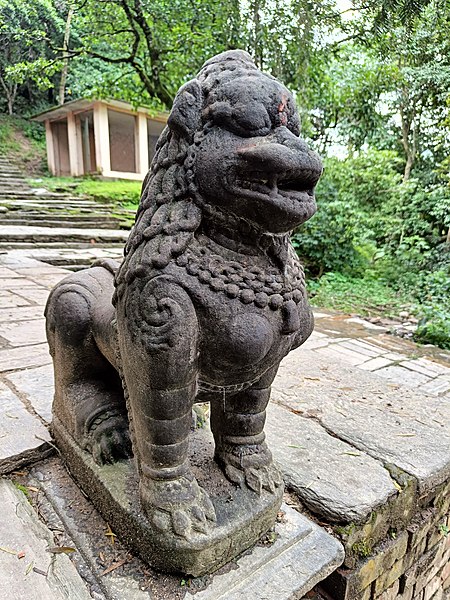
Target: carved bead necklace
<point x="249" y="284"/>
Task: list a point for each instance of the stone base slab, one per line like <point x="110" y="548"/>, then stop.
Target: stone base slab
<point x="302" y="556"/>
<point x="242" y="516"/>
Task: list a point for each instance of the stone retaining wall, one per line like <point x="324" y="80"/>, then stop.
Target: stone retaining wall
<point x="409" y="562"/>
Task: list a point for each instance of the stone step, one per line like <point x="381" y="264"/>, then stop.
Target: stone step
<point x="77" y="257"/>
<point x="46" y="245"/>
<point x="11" y="182"/>
<point x="62" y="205"/>
<point x="5" y="172"/>
<point x="12" y="234"/>
<point x="47" y="196"/>
<point x="12" y="178"/>
<point x="63" y="212"/>
<point x="40" y="216"/>
<point x="75" y="223"/>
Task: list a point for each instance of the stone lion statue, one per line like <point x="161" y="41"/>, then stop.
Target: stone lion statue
<point x="209" y="298"/>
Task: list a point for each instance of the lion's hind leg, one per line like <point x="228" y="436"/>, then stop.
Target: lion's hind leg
<point x="88" y="401"/>
<point x="237" y="422"/>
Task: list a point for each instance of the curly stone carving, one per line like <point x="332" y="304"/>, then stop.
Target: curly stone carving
<point x="209" y="298"/>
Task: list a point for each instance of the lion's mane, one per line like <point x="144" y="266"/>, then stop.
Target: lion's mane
<point x="170" y="210"/>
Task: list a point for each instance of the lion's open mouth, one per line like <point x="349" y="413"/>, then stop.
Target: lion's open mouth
<point x="289" y="184"/>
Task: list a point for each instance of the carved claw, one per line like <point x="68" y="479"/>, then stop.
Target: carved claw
<point x="179" y="507"/>
<point x="255" y="470"/>
<point x="110" y="441"/>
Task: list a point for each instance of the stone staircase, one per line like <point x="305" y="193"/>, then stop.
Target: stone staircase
<point x="57" y="227"/>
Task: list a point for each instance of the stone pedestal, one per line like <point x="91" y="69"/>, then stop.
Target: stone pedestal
<point x="242" y="515"/>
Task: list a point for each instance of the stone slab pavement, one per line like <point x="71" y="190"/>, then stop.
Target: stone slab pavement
<point x="347" y="405"/>
<point x="27" y="569"/>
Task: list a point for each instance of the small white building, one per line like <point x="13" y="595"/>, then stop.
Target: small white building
<point x="106" y="137"/>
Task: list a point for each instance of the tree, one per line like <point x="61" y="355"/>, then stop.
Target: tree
<point x="25" y="28"/>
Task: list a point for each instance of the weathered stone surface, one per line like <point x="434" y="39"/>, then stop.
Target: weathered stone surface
<point x="21" y="531"/>
<point x="23" y="438"/>
<point x="242" y="516"/>
<point x="403" y="376"/>
<point x="21" y="313"/>
<point x="336" y="352"/>
<point x="66" y="509"/>
<point x="24" y="357"/>
<point x="7" y="273"/>
<point x="17" y="283"/>
<point x="11" y="300"/>
<point x="331" y="477"/>
<point x="362" y="347"/>
<point x="33" y="292"/>
<point x="437" y="386"/>
<point x="396" y="426"/>
<point x="375" y="363"/>
<point x="37" y="387"/>
<point x="40" y="270"/>
<point x="14" y="233"/>
<point x="24" y="333"/>
<point x="209" y="298"/>
<point x="302" y="555"/>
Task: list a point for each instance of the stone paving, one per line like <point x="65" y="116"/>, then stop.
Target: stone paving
<point x="26" y="569"/>
<point x="348" y="406"/>
<point x="56" y="226"/>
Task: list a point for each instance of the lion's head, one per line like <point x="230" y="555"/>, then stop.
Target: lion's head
<point x="231" y="147"/>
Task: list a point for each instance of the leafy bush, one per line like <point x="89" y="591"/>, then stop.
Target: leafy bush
<point x="348" y="194"/>
<point x="365" y="296"/>
<point x="433" y="296"/>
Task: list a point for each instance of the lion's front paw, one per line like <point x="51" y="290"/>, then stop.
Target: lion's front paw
<point x="109" y="440"/>
<point x="251" y="466"/>
<point x="180" y="507"/>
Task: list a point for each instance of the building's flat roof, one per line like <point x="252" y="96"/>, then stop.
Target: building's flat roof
<point x="84" y="104"/>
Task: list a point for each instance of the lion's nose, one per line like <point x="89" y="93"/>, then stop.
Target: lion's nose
<point x="281" y="151"/>
<point x="272" y="156"/>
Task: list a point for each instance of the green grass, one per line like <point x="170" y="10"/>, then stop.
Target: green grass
<point x="121" y="192"/>
<point x="365" y="296"/>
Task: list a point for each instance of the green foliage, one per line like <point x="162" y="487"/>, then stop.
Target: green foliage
<point x="373" y="91"/>
<point x="26" y="57"/>
<point x="365" y="296"/>
<point x="433" y="296"/>
<point x="363" y="548"/>
<point x="24" y="141"/>
<point x="349" y="191"/>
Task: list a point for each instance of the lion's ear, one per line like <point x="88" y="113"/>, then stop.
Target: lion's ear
<point x="185" y="115"/>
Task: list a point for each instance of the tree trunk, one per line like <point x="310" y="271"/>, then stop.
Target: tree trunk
<point x="257" y="46"/>
<point x="10" y="93"/>
<point x="62" y="83"/>
<point x="408" y="167"/>
<point x="410" y="119"/>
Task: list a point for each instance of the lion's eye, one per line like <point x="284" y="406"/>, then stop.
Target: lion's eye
<point x="246" y="120"/>
<point x="252" y="117"/>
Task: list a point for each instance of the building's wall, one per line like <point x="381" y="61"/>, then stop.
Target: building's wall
<point x="60" y="147"/>
<point x="122" y="129"/>
<point x="154" y="130"/>
<point x="102" y="139"/>
<point x="86" y="125"/>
